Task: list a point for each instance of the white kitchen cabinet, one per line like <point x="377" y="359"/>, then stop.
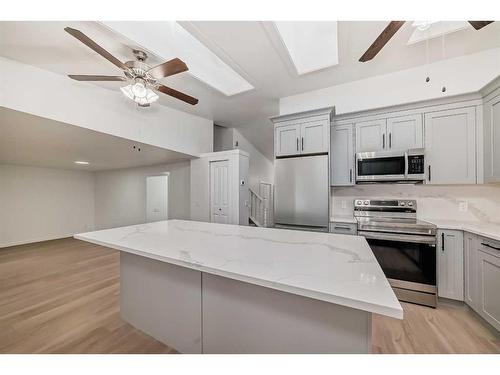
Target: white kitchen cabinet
<point x="314" y="137"/>
<point x="450" y="146"/>
<point x="370" y="135"/>
<point x="342" y="155"/>
<point x="492" y="139"/>
<point x="302" y="133"/>
<point x="450" y="264"/>
<point x="395" y="133"/>
<point x="287" y="140"/>
<point x="405" y="132"/>
<point x="488" y="267"/>
<point x="471" y="297"/>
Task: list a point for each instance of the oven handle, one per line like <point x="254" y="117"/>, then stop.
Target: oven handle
<point x="414" y="238"/>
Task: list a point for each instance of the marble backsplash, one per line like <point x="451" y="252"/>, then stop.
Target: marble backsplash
<point x="433" y="202"/>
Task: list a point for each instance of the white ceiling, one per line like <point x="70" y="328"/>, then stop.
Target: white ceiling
<point x="252" y="49"/>
<point x="37" y="141"/>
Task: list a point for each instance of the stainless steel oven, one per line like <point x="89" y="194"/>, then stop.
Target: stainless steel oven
<point x="390" y="166"/>
<point x="404" y="246"/>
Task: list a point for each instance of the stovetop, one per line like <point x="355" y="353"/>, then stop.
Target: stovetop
<point x="390" y="216"/>
<point x="396" y="225"/>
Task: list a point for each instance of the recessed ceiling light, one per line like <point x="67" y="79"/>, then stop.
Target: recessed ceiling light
<point x="82" y="162"/>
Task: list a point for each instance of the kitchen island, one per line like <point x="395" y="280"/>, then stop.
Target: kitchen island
<point x="215" y="288"/>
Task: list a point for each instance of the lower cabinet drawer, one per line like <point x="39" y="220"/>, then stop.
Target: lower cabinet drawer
<point x="343" y="228"/>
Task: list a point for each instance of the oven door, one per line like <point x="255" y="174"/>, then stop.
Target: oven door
<point x="408" y="261"/>
<point x="381" y="166"/>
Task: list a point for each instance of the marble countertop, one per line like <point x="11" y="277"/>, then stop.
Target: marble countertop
<point x="343" y="219"/>
<point x="489" y="230"/>
<point x="335" y="268"/>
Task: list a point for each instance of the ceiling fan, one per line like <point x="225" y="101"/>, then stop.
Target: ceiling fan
<point x="143" y="78"/>
<point x="392" y="28"/>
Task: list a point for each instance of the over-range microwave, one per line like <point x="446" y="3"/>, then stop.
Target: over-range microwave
<point x="390" y="166"/>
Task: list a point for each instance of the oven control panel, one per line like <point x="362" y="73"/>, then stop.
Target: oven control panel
<point x="385" y="205"/>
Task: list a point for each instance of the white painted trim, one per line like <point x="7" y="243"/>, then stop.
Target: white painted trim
<point x="299" y="115"/>
<point x="37" y="239"/>
<point x="219" y="154"/>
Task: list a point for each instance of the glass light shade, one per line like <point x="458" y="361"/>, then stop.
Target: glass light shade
<point x="139" y="89"/>
<point x="148" y="97"/>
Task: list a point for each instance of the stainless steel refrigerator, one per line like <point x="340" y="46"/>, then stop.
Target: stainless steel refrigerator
<point x="302" y="192"/>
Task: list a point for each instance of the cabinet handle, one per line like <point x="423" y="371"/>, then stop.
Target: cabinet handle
<point x="390" y="140"/>
<point x="341" y="228"/>
<point x="442" y="241"/>
<point x="383" y="140"/>
<point x="490" y="246"/>
<point x="429" y="173"/>
<point x="302" y="143"/>
<point x="350" y="175"/>
<point x="297" y="144"/>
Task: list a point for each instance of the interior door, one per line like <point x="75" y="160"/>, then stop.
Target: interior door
<point x="287" y="138"/>
<point x="314" y="137"/>
<point x="450" y="146"/>
<point x="370" y="136"/>
<point x="405" y="132"/>
<point x="156" y="198"/>
<point x="220" y="192"/>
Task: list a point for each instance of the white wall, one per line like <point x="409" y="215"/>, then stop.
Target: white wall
<point x="108" y="111"/>
<point x="223" y="138"/>
<point x="433" y="202"/>
<point x="460" y="75"/>
<point x="38" y="204"/>
<point x="120" y="195"/>
<point x="261" y="168"/>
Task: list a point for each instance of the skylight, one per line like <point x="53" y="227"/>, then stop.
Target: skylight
<point x="311" y="45"/>
<point x="435" y="29"/>
<point x="168" y="39"/>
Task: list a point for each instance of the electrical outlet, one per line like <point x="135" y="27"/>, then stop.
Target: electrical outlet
<point x="463" y="206"/>
<point x="343" y="204"/>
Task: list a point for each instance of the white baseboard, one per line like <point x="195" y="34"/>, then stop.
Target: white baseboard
<point x="33" y="240"/>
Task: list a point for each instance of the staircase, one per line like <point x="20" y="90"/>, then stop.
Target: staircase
<point x="261" y="205"/>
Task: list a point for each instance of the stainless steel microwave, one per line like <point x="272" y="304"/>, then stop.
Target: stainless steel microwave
<point x="390" y="166"/>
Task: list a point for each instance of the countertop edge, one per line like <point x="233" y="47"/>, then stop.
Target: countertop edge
<point x="339" y="300"/>
<point x="466" y="227"/>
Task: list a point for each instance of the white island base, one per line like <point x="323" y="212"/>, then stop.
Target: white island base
<point x="196" y="312"/>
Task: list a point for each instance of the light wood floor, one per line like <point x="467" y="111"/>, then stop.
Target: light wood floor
<point x="62" y="297"/>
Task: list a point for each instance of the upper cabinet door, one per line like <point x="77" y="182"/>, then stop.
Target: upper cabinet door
<point x="405" y="132"/>
<point x="492" y="140"/>
<point x="370" y="136"/>
<point x="342" y="155"/>
<point x="450" y="146"/>
<point x="314" y="137"/>
<point x="287" y="140"/>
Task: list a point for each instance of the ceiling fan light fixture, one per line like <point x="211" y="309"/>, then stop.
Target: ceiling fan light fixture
<point x="147" y="96"/>
<point x="139" y="88"/>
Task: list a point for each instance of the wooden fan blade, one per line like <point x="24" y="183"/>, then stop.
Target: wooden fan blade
<point x="382" y="40"/>
<point x="78" y="77"/>
<point x="168" y="68"/>
<point x="177" y="94"/>
<point x="94" y="46"/>
<point x="478" y="25"/>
